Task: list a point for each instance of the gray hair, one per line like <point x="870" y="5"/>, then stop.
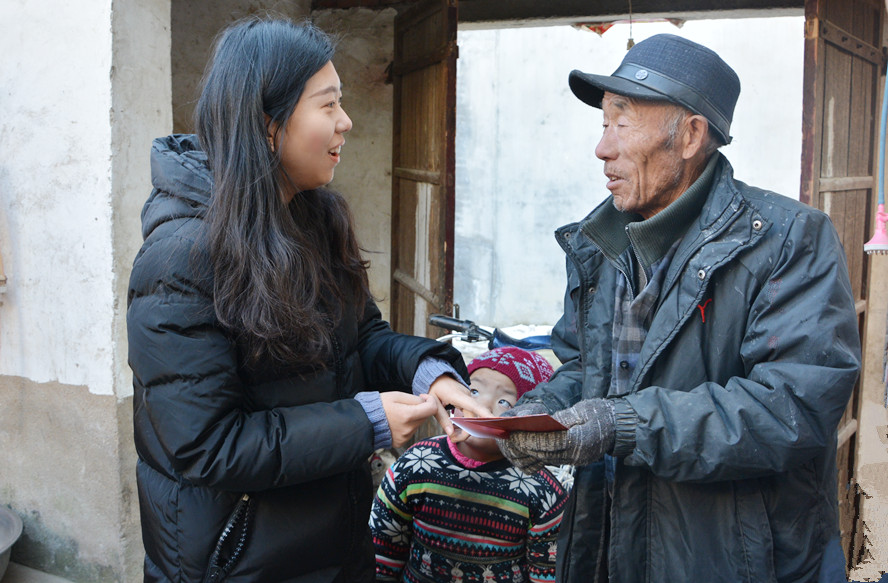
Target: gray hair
<point x="673" y="124"/>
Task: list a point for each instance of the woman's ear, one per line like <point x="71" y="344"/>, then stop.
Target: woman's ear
<point x="269" y="132"/>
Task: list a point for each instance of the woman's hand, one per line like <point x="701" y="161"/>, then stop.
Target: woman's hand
<point x="405" y="413"/>
<point x="449" y="391"/>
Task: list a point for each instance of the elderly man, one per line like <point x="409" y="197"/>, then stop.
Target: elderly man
<point x="709" y="342"/>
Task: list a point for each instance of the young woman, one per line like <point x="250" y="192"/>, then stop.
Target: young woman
<point x="263" y="374"/>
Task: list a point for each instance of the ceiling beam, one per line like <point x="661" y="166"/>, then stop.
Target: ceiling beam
<point x="506" y="13"/>
<point x="334" y="4"/>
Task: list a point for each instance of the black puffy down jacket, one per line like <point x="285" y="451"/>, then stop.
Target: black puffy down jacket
<point x="208" y="430"/>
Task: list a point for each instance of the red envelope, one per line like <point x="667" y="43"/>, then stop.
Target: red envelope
<point x="502" y="426"/>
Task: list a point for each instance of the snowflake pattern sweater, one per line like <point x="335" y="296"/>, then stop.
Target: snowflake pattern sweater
<point x="436" y="521"/>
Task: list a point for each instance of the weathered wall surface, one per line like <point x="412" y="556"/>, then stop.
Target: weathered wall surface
<point x="366" y="41"/>
<point x="872" y="455"/>
<point x="83" y="87"/>
<point x="525" y="160"/>
<point x="55" y="184"/>
<point x="62" y="457"/>
<point x="195" y="24"/>
<point x="363" y="53"/>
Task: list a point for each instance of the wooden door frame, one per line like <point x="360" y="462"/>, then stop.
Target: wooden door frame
<point x="823" y="38"/>
<point x="407" y="287"/>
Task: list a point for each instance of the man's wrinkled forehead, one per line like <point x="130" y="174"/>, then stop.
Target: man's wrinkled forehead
<point x="620" y="102"/>
<point x="626" y="103"/>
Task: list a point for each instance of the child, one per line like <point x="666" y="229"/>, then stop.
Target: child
<point x="461" y="512"/>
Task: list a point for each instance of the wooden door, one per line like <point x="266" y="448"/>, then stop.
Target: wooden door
<point x="843" y="64"/>
<point x="424" y="73"/>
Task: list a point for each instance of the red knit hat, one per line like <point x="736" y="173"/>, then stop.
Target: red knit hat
<point x="525" y="369"/>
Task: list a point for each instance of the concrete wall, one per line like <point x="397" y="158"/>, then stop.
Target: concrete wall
<point x="195" y="24"/>
<point x="364" y="177"/>
<point x="84" y="84"/>
<point x="872" y="454"/>
<point x="525" y="161"/>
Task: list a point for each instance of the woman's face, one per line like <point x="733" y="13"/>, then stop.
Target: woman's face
<point x="310" y="143"/>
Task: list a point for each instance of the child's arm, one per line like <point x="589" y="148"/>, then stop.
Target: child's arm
<point x="542" y="532"/>
<point x="391" y="524"/>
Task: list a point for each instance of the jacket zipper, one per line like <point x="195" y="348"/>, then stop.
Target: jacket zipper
<point x="701" y="291"/>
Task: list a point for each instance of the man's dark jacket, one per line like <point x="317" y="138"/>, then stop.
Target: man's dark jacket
<point x="726" y="437"/>
<point x="208" y="429"/>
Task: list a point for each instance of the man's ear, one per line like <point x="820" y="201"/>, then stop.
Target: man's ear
<point x="695" y="136"/>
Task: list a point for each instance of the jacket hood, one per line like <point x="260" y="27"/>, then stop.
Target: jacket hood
<point x="181" y="179"/>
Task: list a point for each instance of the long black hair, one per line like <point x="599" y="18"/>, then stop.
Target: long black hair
<point x="283" y="272"/>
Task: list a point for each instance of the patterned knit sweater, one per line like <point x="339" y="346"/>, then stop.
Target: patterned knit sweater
<point x="435" y="520"/>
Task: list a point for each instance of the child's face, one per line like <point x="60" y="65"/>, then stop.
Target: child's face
<point x="494" y="390"/>
<point x="499" y="394"/>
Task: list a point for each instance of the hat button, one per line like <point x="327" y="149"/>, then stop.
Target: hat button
<point x="641" y="74"/>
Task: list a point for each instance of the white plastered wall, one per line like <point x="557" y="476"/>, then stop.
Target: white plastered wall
<point x="55" y="192"/>
<point x="82" y="87"/>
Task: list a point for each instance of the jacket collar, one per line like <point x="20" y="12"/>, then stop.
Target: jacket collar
<point x="613" y="231"/>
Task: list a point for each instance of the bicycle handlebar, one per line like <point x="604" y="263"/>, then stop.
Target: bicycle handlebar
<point x="471" y="330"/>
<point x="473" y="333"/>
<point x="448" y="323"/>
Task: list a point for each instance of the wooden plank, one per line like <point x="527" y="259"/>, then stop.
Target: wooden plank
<point x="511" y="12"/>
<point x="436" y="56"/>
<point x="846" y="431"/>
<point x="417" y="288"/>
<point x="812" y="105"/>
<point x="847" y="41"/>
<point x="842" y="183"/>
<point x="840" y="95"/>
<point x="417" y="175"/>
<point x="853" y="236"/>
<point x="865" y="21"/>
<point x="864" y="77"/>
<point x="403" y="252"/>
<point x="836" y="115"/>
<point x="861" y="155"/>
<point x="839" y="13"/>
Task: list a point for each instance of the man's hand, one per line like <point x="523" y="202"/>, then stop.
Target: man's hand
<point x="589" y="436"/>
<point x="523" y="409"/>
<point x="405" y="413"/>
<point x="449" y="391"/>
<point x="511" y="449"/>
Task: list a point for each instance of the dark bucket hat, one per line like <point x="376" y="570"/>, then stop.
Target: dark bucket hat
<point x="670" y="68"/>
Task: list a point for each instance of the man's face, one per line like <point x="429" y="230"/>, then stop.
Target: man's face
<point x="643" y="165"/>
